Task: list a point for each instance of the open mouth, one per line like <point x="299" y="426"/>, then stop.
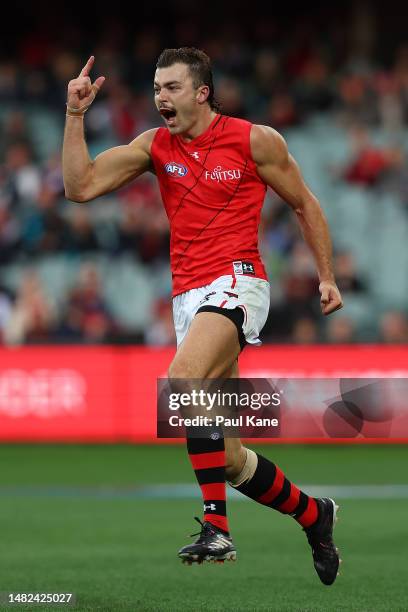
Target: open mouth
<point x="167" y="113"/>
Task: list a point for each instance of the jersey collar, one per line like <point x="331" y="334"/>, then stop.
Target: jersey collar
<point x="201" y="138"/>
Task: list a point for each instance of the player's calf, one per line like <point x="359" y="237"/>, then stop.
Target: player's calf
<point x="264" y="482"/>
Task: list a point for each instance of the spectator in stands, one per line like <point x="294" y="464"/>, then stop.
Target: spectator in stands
<point x="25" y="175"/>
<point x="340" y="330"/>
<point x="81" y="236"/>
<point x="161" y="331"/>
<point x="313" y="89"/>
<point x="230" y="92"/>
<point x="400" y="74"/>
<point x="300" y="281"/>
<point x="6" y="308"/>
<point x="357" y="104"/>
<point x="87" y="317"/>
<point x="33" y="315"/>
<point x="370" y="162"/>
<point x="305" y="331"/>
<point x="145" y="233"/>
<point x="297" y="300"/>
<point x="346" y="274"/>
<point x="396" y="180"/>
<point x="15" y="130"/>
<point x="281" y="111"/>
<point x="44" y="230"/>
<point x="394" y="328"/>
<point x="10" y="89"/>
<point x="52" y="174"/>
<point x="266" y="72"/>
<point x="10" y="235"/>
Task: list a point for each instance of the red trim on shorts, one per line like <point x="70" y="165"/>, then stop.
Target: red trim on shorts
<point x="223" y="303"/>
<point x="245" y="312"/>
<point x="234" y="280"/>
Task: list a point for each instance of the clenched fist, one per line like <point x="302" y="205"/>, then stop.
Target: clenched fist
<point x="330" y="299"/>
<point x="81" y="92"/>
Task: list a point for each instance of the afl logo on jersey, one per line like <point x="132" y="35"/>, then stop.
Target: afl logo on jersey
<point x="176" y="170"/>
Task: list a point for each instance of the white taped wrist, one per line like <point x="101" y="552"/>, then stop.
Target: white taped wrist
<point x="77" y="111"/>
<point x="81" y="110"/>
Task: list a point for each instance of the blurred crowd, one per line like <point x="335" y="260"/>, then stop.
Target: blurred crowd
<point x="260" y="74"/>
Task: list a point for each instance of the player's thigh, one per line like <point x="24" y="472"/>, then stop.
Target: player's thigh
<point x="209" y="350"/>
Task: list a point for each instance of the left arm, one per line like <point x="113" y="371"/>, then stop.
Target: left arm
<point x="277" y="168"/>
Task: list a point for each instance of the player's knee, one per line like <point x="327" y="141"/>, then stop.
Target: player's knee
<point x="181" y="369"/>
<point x="234" y="462"/>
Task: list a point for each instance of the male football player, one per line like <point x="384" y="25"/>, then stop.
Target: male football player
<point x="213" y="171"/>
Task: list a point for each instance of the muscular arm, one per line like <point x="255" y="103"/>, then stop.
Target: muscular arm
<point x="86" y="179"/>
<point x="279" y="170"/>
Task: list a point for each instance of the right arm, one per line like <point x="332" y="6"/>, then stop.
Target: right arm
<point x="84" y="178"/>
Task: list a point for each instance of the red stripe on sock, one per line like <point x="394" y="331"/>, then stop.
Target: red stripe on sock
<point x="310" y="515"/>
<point x="275" y="489"/>
<point x="290" y="504"/>
<point x="218" y="521"/>
<point x="208" y="460"/>
<point x="215" y="490"/>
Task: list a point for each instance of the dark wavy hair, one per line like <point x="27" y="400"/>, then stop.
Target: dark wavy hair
<point x="199" y="65"/>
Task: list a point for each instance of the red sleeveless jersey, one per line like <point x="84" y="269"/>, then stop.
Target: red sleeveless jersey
<point x="213" y="198"/>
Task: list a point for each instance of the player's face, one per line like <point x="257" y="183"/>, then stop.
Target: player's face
<point x="176" y="98"/>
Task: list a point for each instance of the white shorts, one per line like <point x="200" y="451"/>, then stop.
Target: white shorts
<point x="249" y="293"/>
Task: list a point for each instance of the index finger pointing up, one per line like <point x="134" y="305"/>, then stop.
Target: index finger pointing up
<point x="86" y="69"/>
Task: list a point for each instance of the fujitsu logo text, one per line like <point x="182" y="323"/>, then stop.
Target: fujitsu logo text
<point x="218" y="174"/>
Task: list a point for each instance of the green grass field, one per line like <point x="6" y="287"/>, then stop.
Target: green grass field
<point x="71" y="521"/>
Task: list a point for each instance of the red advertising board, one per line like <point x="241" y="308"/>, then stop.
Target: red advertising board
<point x="89" y="394"/>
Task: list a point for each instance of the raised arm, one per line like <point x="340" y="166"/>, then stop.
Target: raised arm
<point x="280" y="171"/>
<point x="84" y="178"/>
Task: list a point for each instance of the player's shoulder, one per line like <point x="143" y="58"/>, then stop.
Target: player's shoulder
<point x="236" y="123"/>
<point x="265" y="136"/>
<point x="144" y="140"/>
<point x="267" y="144"/>
<point x="161" y="138"/>
<point x="235" y="132"/>
<point x="148" y="136"/>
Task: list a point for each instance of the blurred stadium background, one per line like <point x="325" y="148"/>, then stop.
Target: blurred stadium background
<point x="334" y="81"/>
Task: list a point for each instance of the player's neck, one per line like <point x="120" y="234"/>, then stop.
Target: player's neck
<point x="200" y="126"/>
